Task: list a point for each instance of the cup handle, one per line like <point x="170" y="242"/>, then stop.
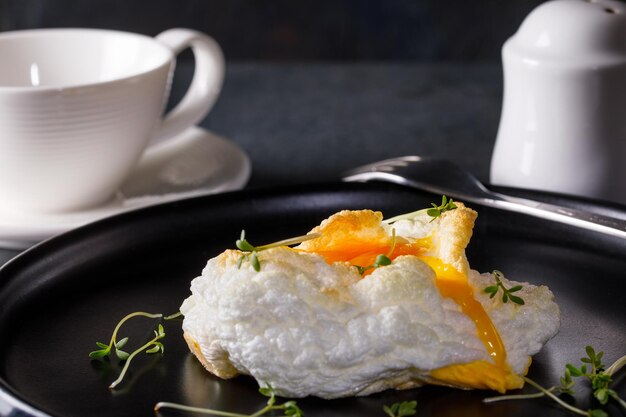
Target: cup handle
<point x="205" y="86"/>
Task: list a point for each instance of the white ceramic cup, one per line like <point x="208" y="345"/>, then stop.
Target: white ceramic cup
<point x="78" y="107"/>
<point x="563" y="122"/>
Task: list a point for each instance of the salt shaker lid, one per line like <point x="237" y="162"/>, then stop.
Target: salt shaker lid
<point x="561" y="30"/>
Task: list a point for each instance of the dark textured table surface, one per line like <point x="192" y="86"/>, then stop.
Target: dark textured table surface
<point x="309" y="122"/>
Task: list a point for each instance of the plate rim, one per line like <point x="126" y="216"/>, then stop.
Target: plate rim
<point x="10" y="395"/>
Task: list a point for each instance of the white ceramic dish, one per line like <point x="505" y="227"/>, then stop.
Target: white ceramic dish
<point x="89" y="101"/>
<point x="197" y="162"/>
<point x="562" y="127"/>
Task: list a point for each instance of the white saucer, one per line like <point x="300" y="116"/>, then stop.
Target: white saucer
<point x="197" y="162"/>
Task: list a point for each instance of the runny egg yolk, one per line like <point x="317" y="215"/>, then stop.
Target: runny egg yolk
<point x="365" y="253"/>
<point x="494" y="375"/>
<point x="453" y="284"/>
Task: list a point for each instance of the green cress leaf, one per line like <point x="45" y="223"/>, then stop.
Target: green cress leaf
<point x="154" y="349"/>
<point x="391" y="410"/>
<point x="292" y="409"/>
<point x="507" y="295"/>
<point x="254" y="260"/>
<point x="567" y="383"/>
<point x="121" y="354"/>
<point x="382" y="260"/>
<point x="575" y="372"/>
<point x="243" y="244"/>
<point x="601" y="395"/>
<point x="405" y="408"/>
<point x="97" y="354"/>
<point x="433" y="212"/>
<point x="120" y="344"/>
<point x="267" y="391"/>
<point x="438" y="210"/>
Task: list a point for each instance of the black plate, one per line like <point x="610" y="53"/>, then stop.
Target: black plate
<point x="60" y="297"/>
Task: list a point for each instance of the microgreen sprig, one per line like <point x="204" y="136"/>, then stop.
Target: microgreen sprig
<point x="598" y="376"/>
<point x="438" y="210"/>
<point x="405" y="408"/>
<point x="507" y="293"/>
<point x="116" y="345"/>
<point x="591" y="370"/>
<point x="381" y="260"/>
<point x="250" y="252"/>
<point x="289" y="408"/>
<point x="435" y="211"/>
<point x="152" y="346"/>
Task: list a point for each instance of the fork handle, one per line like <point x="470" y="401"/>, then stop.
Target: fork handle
<point x="578" y="218"/>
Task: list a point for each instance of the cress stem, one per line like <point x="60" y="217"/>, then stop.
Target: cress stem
<point x="173" y="316"/>
<point x="393" y="242"/>
<point x="517" y="396"/>
<point x="288" y="242"/>
<point x="617" y="365"/>
<point x="555" y="398"/>
<point x="128" y="317"/>
<point x="130" y="358"/>
<point x="264" y="410"/>
<point x="406" y="216"/>
<point x="618" y="399"/>
<point x="199" y="410"/>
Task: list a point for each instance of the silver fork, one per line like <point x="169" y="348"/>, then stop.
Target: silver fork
<point x="440" y="176"/>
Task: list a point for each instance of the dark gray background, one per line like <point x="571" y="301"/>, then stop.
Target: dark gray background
<point x="337" y="30"/>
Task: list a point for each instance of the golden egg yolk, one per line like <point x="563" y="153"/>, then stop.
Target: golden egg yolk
<point x="494" y="375"/>
<point x="365" y="253"/>
<point x="452" y="284"/>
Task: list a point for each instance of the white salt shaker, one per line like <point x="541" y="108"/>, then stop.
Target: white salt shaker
<point x="563" y="122"/>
